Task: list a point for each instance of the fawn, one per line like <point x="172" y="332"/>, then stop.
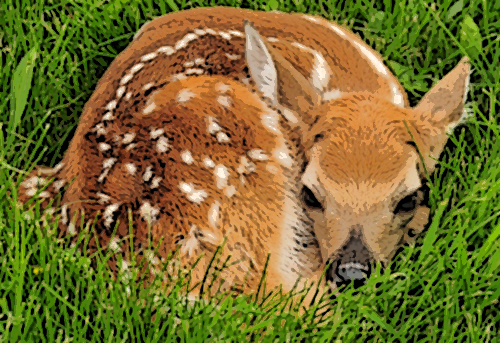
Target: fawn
<point x="281" y="133"/>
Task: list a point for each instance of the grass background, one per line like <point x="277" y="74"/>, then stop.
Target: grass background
<point x="445" y="288"/>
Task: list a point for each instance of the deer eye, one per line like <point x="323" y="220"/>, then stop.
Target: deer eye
<point x="407" y="204"/>
<point x="309" y="199"/>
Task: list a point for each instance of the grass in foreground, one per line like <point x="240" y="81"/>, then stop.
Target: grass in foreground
<point x="446" y="288"/>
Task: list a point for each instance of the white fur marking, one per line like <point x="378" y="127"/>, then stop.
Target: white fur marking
<point x="233" y="57"/>
<point x="108" y="214"/>
<point x="128" y="138"/>
<point x="148" y="86"/>
<point x="120" y="91"/>
<point x="221" y="176"/>
<point x="185" y="41"/>
<point x="229" y="191"/>
<point x="156" y="133"/>
<point x="332" y="94"/>
<point x="397" y="97"/>
<point x="187" y="157"/>
<point x="111" y="105"/>
<point x="257" y="154"/>
<point x="131" y="168"/>
<point x="103" y="198"/>
<point x="222" y="88"/>
<point x="155" y="183"/>
<point x="149" y="108"/>
<point x="136" y="68"/>
<point x="379" y="66"/>
<point x="148" y="212"/>
<point x="162" y="145"/>
<point x="148" y="174"/>
<point x="213" y="214"/>
<point x="108" y="116"/>
<point x="185" y="95"/>
<point x="224" y="101"/>
<point x="104" y="147"/>
<point x="196" y="196"/>
<point x="126" y="79"/>
<point x="225" y="35"/>
<point x="167" y="50"/>
<point x="208" y="163"/>
<point x="222" y="137"/>
<point x="213" y="127"/>
<point x="149" y="57"/>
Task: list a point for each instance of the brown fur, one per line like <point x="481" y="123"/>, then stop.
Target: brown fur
<point x="145" y="152"/>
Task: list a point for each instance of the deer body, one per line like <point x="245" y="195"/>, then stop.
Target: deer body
<point x="182" y="132"/>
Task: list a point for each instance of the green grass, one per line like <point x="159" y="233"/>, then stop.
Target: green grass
<point x="445" y="288"/>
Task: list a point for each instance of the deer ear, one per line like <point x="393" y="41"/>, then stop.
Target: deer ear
<point x="442" y="109"/>
<point x="275" y="77"/>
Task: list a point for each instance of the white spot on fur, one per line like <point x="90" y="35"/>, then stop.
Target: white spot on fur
<point x="128" y="96"/>
<point x="189" y="64"/>
<point x="192" y="71"/>
<point x="379" y="66"/>
<point x="131" y="168"/>
<point x="162" y="145"/>
<point x="111" y="105"/>
<point x="149" y="108"/>
<point x="221" y="176"/>
<point x="246" y="167"/>
<point x="272" y="169"/>
<point x="126" y="79"/>
<point x="257" y="154"/>
<point x="149" y="57"/>
<point x="187" y="157"/>
<point x="167" y="50"/>
<point x="185" y="95"/>
<point x="210" y="31"/>
<point x="107" y="164"/>
<point x="148" y="174"/>
<point x="71" y="229"/>
<point x="155" y="183"/>
<point x="185" y="41"/>
<point x="113" y="245"/>
<point x="283" y="156"/>
<point x="208" y="163"/>
<point x="273" y="39"/>
<point x="58" y="185"/>
<point x="148" y="86"/>
<point x="137" y="67"/>
<point x="199" y="61"/>
<point x="233" y="57"/>
<point x="191" y="243"/>
<point x="213" y="127"/>
<point x="156" y="133"/>
<point x="397" y="97"/>
<point x="236" y="33"/>
<point x="103" y="198"/>
<point x="213" y="214"/>
<point x="120" y="91"/>
<point x="177" y="77"/>
<point x="200" y="32"/>
<point x="332" y="94"/>
<point x="128" y="138"/>
<point x="222" y="137"/>
<point x="224" y="101"/>
<point x="270" y="121"/>
<point x="104" y="146"/>
<point x="229" y="191"/>
<point x="34" y="181"/>
<point x="64" y="214"/>
<point x="338" y="30"/>
<point x="108" y="116"/>
<point x="222" y="88"/>
<point x="225" y="35"/>
<point x="148" y="212"/>
<point x="44" y="194"/>
<point x="108" y="214"/>
<point x="196" y="196"/>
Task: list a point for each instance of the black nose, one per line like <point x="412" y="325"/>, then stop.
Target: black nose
<point x="347" y="273"/>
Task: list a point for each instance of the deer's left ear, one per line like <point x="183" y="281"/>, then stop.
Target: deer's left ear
<point x="441" y="110"/>
<point x="275" y="77"/>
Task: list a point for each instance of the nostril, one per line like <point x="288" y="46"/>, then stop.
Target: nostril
<point x="351" y="272"/>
